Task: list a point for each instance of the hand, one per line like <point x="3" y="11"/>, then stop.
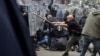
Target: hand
<point x="45" y="18"/>
<point x="56" y="25"/>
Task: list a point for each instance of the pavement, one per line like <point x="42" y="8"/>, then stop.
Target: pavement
<point x="44" y="52"/>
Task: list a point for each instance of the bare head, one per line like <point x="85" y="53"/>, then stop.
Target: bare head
<point x="69" y="18"/>
<point x="49" y="16"/>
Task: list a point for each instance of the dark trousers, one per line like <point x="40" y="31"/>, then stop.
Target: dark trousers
<point x="71" y="41"/>
<point x="86" y="41"/>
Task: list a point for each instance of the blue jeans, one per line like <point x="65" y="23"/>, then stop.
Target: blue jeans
<point x="44" y="40"/>
<point x="86" y="41"/>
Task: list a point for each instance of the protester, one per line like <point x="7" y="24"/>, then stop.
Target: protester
<point x="73" y="28"/>
<point x="91" y="32"/>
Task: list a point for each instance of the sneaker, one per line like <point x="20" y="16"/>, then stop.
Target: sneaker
<point x="66" y="54"/>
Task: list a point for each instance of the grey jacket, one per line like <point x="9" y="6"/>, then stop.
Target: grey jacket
<point x="92" y="25"/>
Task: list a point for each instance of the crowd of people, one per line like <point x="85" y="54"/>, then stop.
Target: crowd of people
<point x="77" y="29"/>
<point x="71" y="29"/>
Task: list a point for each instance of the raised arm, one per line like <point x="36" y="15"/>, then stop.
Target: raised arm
<point x="50" y="5"/>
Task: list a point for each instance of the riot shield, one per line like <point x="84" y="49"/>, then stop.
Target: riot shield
<point x="35" y="22"/>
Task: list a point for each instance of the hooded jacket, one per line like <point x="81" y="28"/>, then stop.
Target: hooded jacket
<point x="92" y="25"/>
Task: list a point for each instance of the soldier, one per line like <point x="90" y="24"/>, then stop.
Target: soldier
<point x="52" y="10"/>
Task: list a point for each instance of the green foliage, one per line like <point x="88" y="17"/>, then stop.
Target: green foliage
<point x="87" y="2"/>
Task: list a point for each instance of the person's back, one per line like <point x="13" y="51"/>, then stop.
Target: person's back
<point x="93" y="21"/>
<point x="85" y="13"/>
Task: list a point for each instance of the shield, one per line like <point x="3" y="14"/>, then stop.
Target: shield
<point x="35" y="22"/>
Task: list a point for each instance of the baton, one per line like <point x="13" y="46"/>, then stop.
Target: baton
<point x="43" y="18"/>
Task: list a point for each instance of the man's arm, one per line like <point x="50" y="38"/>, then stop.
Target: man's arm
<point x="58" y="22"/>
<point x="61" y="24"/>
<point x="50" y="5"/>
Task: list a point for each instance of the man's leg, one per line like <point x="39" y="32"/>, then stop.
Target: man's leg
<point x="94" y="52"/>
<point x="86" y="42"/>
<point x="70" y="43"/>
<point x="96" y="43"/>
<point x="80" y="45"/>
<point x="44" y="40"/>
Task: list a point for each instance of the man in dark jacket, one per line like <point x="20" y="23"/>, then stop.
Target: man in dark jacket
<point x="14" y="33"/>
<point x="74" y="28"/>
